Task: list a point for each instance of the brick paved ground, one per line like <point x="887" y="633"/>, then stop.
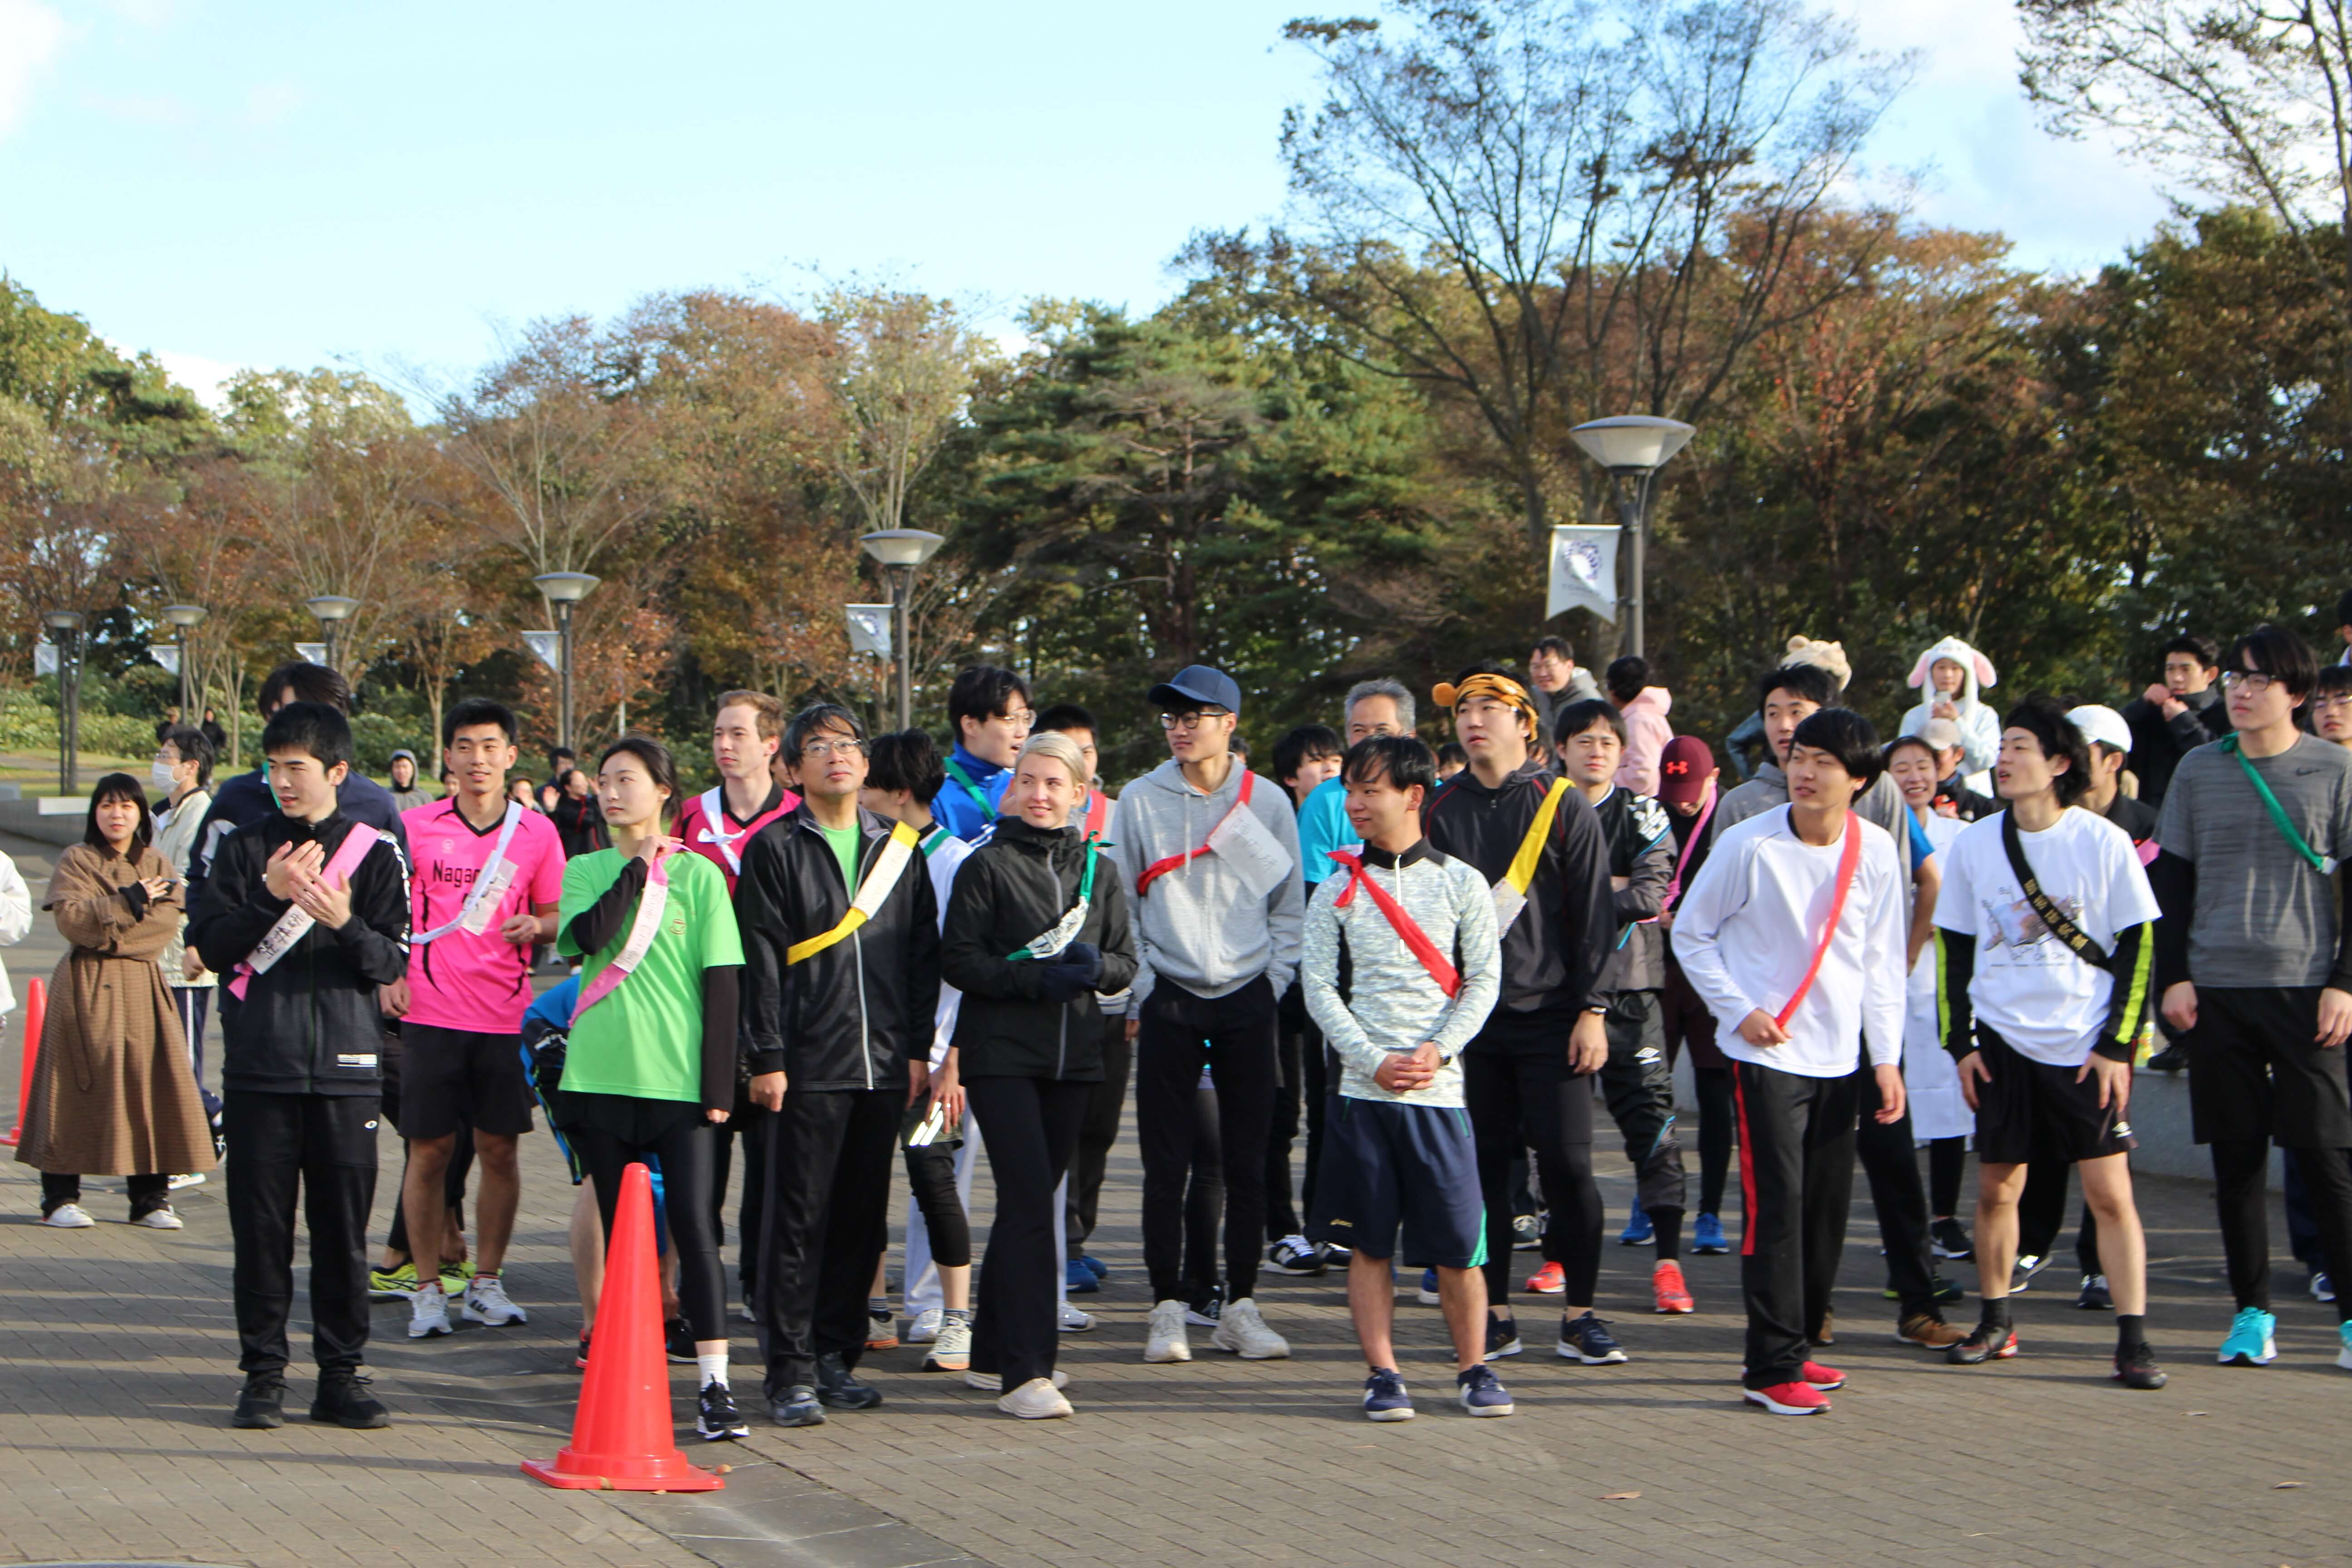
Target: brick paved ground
<point x="117" y="1367"/>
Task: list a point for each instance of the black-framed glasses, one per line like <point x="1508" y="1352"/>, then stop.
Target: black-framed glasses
<point x="823" y="750"/>
<point x="1191" y="721"/>
<point x="2253" y="681"/>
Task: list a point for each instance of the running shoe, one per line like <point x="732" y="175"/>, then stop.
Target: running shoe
<point x="2137" y="1368"/>
<point x="160" y="1217"/>
<point x="1548" y="1281"/>
<point x="951" y="1350"/>
<point x="67" y="1216"/>
<point x="1821" y="1379"/>
<point x="2095" y="1296"/>
<point x="2250" y="1341"/>
<point x="1946" y="1238"/>
<point x="1527" y="1233"/>
<point x="1639" y="1231"/>
<point x="1243" y="1333"/>
<point x="1291" y="1255"/>
<point x="1077" y="1279"/>
<point x="1203" y="1309"/>
<point x="1502" y="1336"/>
<point x="797" y="1406"/>
<point x="1983" y="1344"/>
<point x="881" y="1330"/>
<point x="1165" y="1340"/>
<point x="1709" y="1237"/>
<point x="1668" y="1288"/>
<point x="455" y="1276"/>
<point x="1587" y="1339"/>
<point x="993" y="1382"/>
<point x="1073" y="1322"/>
<point x="2322" y="1288"/>
<point x="1787" y="1399"/>
<point x="2028" y="1264"/>
<point x="1385" y="1398"/>
<point x="428" y="1314"/>
<point x="2172" y="1058"/>
<point x="678" y="1340"/>
<point x="1094" y="1265"/>
<point x="1427" y="1295"/>
<point x="1928" y="1331"/>
<point x="716" y="1418"/>
<point x="925" y="1326"/>
<point x="343" y="1399"/>
<point x="1826" y="1333"/>
<point x="262" y="1403"/>
<point x="194" y="1179"/>
<point x="392" y="1284"/>
<point x="1481" y="1391"/>
<point x="580" y="1362"/>
<point x="2344" y="1356"/>
<point x="1036" y="1400"/>
<point x="487" y="1303"/>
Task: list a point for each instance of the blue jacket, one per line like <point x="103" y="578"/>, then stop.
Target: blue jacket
<point x="1323" y="827"/>
<point x="955" y="804"/>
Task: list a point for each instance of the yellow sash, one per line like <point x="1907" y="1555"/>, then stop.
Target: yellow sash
<point x="1511" y="892"/>
<point x="880" y="881"/>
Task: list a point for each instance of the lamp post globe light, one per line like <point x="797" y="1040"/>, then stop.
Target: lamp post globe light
<point x="564" y="590"/>
<point x="901" y="550"/>
<point x="1633" y="447"/>
<point x="186" y="618"/>
<point x="67" y="625"/>
<point x="332" y="610"/>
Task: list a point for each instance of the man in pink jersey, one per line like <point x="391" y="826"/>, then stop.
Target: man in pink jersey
<point x="489" y="873"/>
<point x="719" y="822"/>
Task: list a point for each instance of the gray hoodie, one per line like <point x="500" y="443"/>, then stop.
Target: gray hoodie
<point x="1195" y="926"/>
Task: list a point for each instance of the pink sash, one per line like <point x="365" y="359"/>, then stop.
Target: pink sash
<point x="651" y="905"/>
<point x="296" y="923"/>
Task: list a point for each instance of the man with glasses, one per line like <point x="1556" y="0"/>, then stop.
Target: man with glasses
<point x="2176" y="715"/>
<point x="1210" y="853"/>
<point x="2255" y="968"/>
<point x="988" y="708"/>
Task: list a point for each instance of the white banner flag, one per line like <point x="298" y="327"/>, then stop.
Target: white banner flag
<point x="548" y="647"/>
<point x="870" y="629"/>
<point x="310" y="652"/>
<point x="45" y="659"/>
<point x="1583" y="572"/>
<point x="168" y="657"/>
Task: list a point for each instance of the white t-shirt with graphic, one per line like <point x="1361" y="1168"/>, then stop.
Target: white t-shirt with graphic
<point x="2029" y="988"/>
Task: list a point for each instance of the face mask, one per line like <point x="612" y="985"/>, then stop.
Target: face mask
<point x="162" y="774"/>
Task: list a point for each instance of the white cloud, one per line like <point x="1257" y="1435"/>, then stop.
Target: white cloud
<point x="199" y="375"/>
<point x="29" y="35"/>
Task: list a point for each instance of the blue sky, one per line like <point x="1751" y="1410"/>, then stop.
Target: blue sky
<point x="265" y="182"/>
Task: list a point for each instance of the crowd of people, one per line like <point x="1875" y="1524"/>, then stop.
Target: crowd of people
<point x="854" y="956"/>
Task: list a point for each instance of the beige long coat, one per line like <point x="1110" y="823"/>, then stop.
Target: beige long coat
<point x="112" y="1092"/>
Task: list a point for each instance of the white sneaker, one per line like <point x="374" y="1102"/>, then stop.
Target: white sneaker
<point x="925" y="1326"/>
<point x="194" y="1179"/>
<point x="428" y="1313"/>
<point x="1165" y="1340"/>
<point x="993" y="1383"/>
<point x="1075" y="1321"/>
<point x="68" y="1217"/>
<point x="487" y="1303"/>
<point x="1240" y="1331"/>
<point x="1035" y="1400"/>
<point x="952" y="1349"/>
<point x="161" y="1219"/>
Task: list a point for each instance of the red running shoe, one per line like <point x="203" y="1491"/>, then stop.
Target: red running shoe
<point x="1548" y="1281"/>
<point x="1668" y="1285"/>
<point x="1787" y="1399"/>
<point x="1820" y="1378"/>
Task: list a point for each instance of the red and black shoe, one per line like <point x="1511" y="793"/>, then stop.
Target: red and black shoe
<point x="1984" y="1344"/>
<point x="1787" y="1399"/>
<point x="1820" y="1378"/>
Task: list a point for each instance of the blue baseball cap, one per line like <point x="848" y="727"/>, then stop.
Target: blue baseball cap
<point x="1198" y="686"/>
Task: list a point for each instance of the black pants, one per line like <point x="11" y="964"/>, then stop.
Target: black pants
<point x="2302" y="1230"/>
<point x="931" y="1178"/>
<point x="1032" y="1126"/>
<point x="147" y="1192"/>
<point x="1795" y="1171"/>
<point x="1282" y="1131"/>
<point x="194" y="1002"/>
<point x="1091" y="1162"/>
<point x="828" y="1176"/>
<point x="1891" y="1163"/>
<point x="2240" y="1198"/>
<point x="2042" y="1215"/>
<point x="1638" y="1084"/>
<point x="1517" y="1088"/>
<point x="1234" y="1037"/>
<point x="321" y="1147"/>
<point x="743" y="1127"/>
<point x="1715" y="1117"/>
<point x="686" y="1152"/>
<point x="1204" y="1202"/>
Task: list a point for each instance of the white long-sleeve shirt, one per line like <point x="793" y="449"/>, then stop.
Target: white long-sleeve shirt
<point x="1748" y="927"/>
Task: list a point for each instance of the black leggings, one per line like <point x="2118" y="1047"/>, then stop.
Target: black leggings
<point x="1715" y="1118"/>
<point x="689" y="1156"/>
<point x="2240" y="1196"/>
<point x="930" y="1171"/>
<point x="1947" y="1158"/>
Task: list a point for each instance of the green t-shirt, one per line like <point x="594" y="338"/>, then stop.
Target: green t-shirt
<point x="645" y="1039"/>
<point x="847" y="842"/>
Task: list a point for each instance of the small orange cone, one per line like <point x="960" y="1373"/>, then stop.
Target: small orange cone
<point x="36" y="1012"/>
<point x="622" y="1438"/>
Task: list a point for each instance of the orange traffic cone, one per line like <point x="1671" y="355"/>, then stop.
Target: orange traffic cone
<point x="622" y="1437"/>
<point x="36" y="1012"/>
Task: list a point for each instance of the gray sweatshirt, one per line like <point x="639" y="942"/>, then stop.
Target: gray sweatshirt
<point x="1196" y="925"/>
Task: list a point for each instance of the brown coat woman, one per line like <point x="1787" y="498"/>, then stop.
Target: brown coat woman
<point x="112" y="1092"/>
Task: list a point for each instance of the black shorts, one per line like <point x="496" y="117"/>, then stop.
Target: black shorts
<point x="2034" y="1112"/>
<point x="1387" y="1166"/>
<point x="453" y="1078"/>
<point x="2256" y="1071"/>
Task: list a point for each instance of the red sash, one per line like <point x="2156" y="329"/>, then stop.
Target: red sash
<point x="1098" y="812"/>
<point x="1417" y="939"/>
<point x="1848" y="858"/>
<point x="1160" y="869"/>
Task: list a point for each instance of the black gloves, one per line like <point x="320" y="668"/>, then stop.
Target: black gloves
<point x="1067" y="978"/>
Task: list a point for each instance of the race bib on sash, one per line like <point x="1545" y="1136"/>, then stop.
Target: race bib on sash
<point x="1240" y="840"/>
<point x="1064" y="930"/>
<point x="296" y="923"/>
<point x="490" y="884"/>
<point x="652" y="904"/>
<point x="1511" y="892"/>
<point x="881" y="881"/>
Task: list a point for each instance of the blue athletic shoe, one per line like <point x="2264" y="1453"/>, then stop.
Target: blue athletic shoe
<point x="1094" y="1265"/>
<point x="1481" y="1391"/>
<point x="1638" y="1231"/>
<point x="1428" y="1297"/>
<point x="1587" y="1339"/>
<point x="1710" y="1236"/>
<point x="1078" y="1278"/>
<point x="1385" y="1398"/>
<point x="2344" y="1356"/>
<point x="2250" y="1342"/>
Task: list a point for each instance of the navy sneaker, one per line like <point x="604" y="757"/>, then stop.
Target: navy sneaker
<point x="1296" y="1255"/>
<point x="1428" y="1296"/>
<point x="1638" y="1231"/>
<point x="1526" y="1232"/>
<point x="1710" y="1236"/>
<point x="1078" y="1279"/>
<point x="1948" y="1238"/>
<point x="1384" y="1396"/>
<point x="1502" y="1336"/>
<point x="1481" y="1391"/>
<point x="1587" y="1339"/>
<point x="2095" y="1296"/>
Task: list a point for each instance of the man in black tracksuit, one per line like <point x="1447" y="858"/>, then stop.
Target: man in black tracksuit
<point x="300" y="1072"/>
<point x="840" y="1046"/>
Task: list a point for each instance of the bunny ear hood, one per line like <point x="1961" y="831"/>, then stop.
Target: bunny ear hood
<point x="1976" y="669"/>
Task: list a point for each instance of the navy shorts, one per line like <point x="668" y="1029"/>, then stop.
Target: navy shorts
<point x="1387" y="1165"/>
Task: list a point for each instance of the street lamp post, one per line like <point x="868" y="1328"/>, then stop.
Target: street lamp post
<point x="1633" y="447"/>
<point x="332" y="610"/>
<point x="67" y="624"/>
<point x="186" y="618"/>
<point x="901" y="550"/>
<point x="564" y="590"/>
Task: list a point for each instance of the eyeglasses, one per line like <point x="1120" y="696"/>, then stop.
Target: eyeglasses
<point x="1020" y="718"/>
<point x="2331" y="700"/>
<point x="823" y="750"/>
<point x="2248" y="680"/>
<point x="1191" y="721"/>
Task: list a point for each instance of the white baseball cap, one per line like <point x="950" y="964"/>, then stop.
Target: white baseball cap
<point x="2103" y="724"/>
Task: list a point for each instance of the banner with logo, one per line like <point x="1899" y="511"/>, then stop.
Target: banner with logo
<point x="310" y="652"/>
<point x="1583" y="571"/>
<point x="870" y="629"/>
<point x="168" y="656"/>
<point x="45" y="659"/>
<point x="548" y="648"/>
